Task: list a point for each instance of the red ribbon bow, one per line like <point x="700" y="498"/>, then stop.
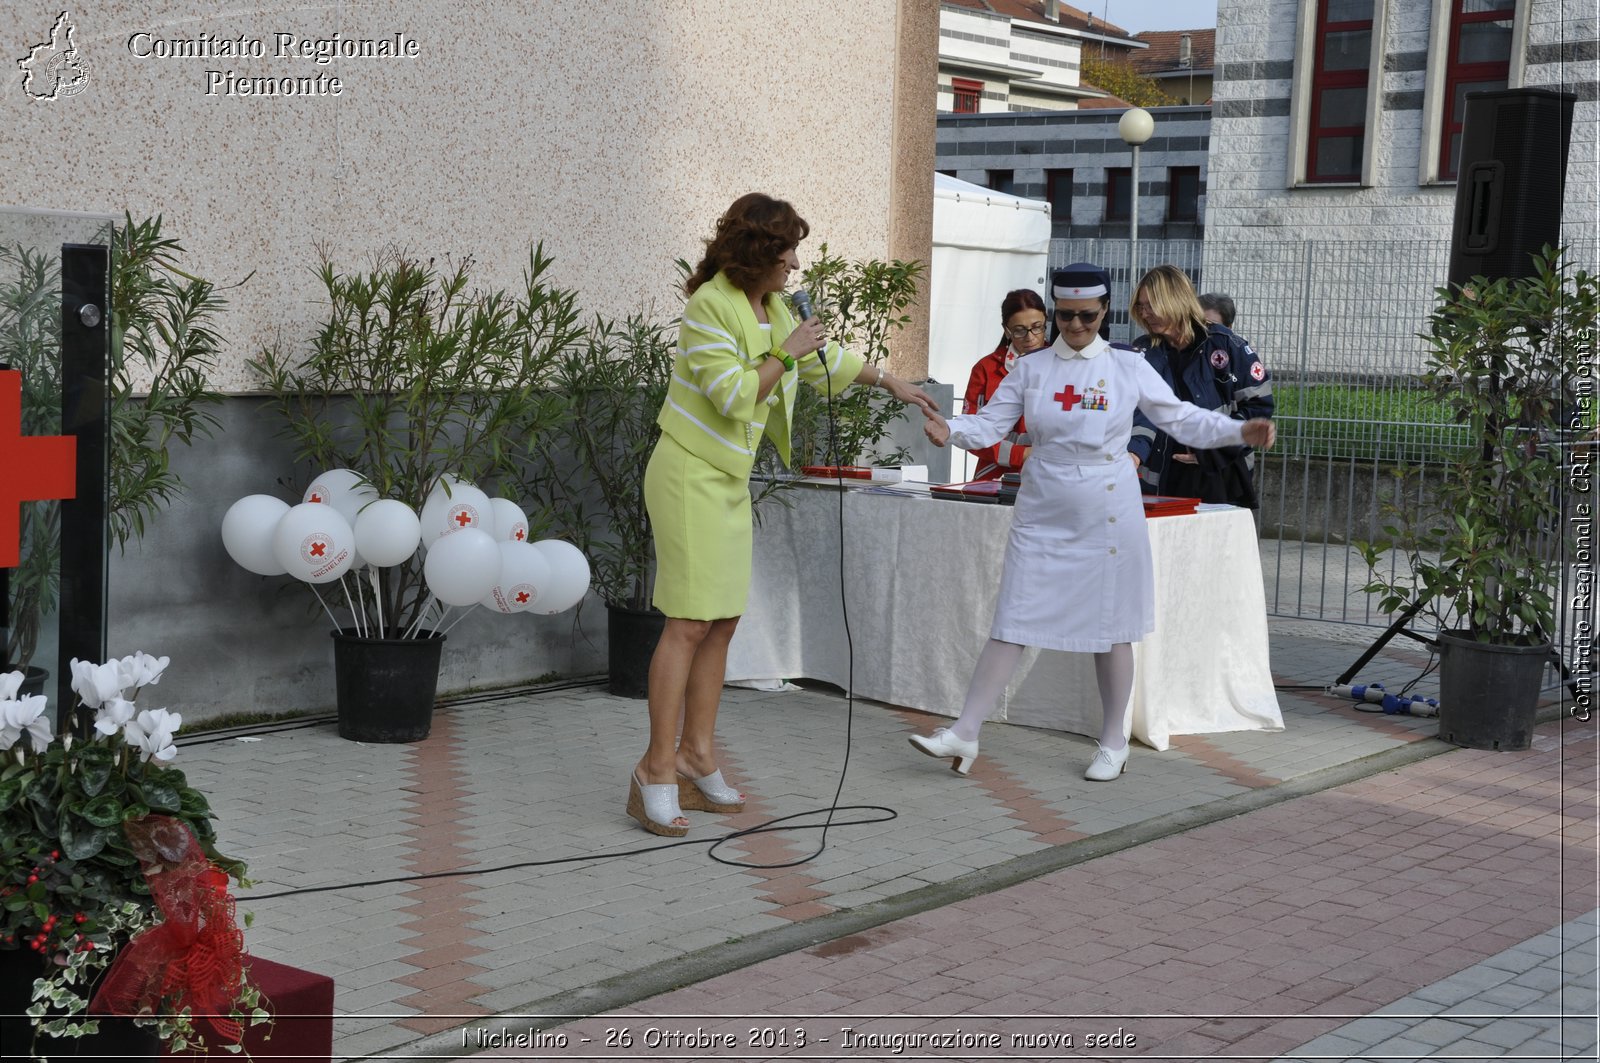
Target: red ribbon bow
<point x="193" y="958"/>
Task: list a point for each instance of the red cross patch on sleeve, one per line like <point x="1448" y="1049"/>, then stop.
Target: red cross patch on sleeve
<point x="1219" y="359"/>
<point x="1258" y="371"/>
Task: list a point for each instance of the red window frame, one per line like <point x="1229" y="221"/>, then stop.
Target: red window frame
<point x="1058" y="190"/>
<point x="1322" y="78"/>
<point x="1116" y="175"/>
<point x="1457" y="73"/>
<point x="1192" y="205"/>
<point x="966" y="94"/>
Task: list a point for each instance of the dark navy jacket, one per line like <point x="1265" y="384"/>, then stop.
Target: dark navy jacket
<point x="1227" y="376"/>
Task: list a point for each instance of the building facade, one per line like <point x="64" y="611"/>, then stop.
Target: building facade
<point x="1078" y="163"/>
<point x="1341" y="119"/>
<point x="997" y="56"/>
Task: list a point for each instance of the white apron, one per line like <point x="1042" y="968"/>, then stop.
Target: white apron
<point x="1077" y="570"/>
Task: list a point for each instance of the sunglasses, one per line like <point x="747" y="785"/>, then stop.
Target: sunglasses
<point x="1086" y="317"/>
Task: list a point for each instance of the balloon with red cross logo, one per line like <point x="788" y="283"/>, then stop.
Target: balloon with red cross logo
<point x="510" y="522"/>
<point x="524" y="574"/>
<point x="314" y="543"/>
<point x="342" y="489"/>
<point x="451" y="510"/>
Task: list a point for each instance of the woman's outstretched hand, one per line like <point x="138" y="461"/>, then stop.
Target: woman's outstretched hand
<point x="910" y="394"/>
<point x="1259" y="433"/>
<point x="936" y="428"/>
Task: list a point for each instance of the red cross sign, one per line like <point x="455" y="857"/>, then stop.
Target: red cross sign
<point x="35" y="468"/>
<point x="463" y="518"/>
<point x="1068" y="397"/>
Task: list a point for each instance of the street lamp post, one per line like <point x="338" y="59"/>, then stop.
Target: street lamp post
<point x="1135" y="127"/>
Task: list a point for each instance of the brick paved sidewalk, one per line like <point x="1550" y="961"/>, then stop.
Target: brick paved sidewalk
<point x="542" y="777"/>
<point x="1462" y="885"/>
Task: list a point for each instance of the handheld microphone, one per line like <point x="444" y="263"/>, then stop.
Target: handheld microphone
<point x="802" y="304"/>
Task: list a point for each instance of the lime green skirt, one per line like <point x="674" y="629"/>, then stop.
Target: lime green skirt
<point x="700" y="518"/>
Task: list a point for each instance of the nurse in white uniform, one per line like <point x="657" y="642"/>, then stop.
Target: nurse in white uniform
<point x="1077" y="570"/>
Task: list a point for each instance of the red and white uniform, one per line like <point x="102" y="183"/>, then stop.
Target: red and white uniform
<point x="1077" y="570"/>
<point x="1008" y="454"/>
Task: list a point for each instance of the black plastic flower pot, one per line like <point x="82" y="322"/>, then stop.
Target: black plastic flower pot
<point x="385" y="688"/>
<point x="118" y="1038"/>
<point x="633" y="634"/>
<point x="1488" y="693"/>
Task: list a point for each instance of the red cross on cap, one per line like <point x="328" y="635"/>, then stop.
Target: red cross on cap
<point x="37" y="468"/>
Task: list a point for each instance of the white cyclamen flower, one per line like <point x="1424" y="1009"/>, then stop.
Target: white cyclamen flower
<point x="26" y="716"/>
<point x="140" y="670"/>
<point x="10" y="684"/>
<point x="96" y="683"/>
<point x="151" y="731"/>
<point x="113" y="716"/>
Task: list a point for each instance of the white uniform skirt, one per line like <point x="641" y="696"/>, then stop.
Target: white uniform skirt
<point x="1077" y="570"/>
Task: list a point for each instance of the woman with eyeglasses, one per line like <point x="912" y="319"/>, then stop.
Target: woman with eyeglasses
<point x="1077" y="573"/>
<point x="1204" y="363"/>
<point x="1025" y="325"/>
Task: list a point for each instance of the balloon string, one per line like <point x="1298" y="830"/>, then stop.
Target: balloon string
<point x="420" y="614"/>
<point x="464" y="614"/>
<point x="354" y="619"/>
<point x="377" y="598"/>
<point x="325" y="608"/>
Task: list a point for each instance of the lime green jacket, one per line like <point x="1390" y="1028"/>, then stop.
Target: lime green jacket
<point x="711" y="409"/>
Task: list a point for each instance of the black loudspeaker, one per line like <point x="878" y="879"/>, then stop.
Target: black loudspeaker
<point x="1512" y="179"/>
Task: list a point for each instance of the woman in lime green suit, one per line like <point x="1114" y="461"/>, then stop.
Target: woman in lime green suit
<point x="740" y="352"/>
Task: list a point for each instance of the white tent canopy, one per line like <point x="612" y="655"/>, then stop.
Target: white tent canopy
<point x="985" y="243"/>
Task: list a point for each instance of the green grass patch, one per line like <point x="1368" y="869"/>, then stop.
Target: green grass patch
<point x="1346" y="421"/>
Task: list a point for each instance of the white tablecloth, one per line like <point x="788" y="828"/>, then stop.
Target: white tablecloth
<point x="922" y="578"/>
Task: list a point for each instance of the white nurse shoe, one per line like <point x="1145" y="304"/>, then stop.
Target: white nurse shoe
<point x="944" y="743"/>
<point x="1108" y="763"/>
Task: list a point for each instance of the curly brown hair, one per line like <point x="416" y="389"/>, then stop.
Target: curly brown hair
<point x="751" y="236"/>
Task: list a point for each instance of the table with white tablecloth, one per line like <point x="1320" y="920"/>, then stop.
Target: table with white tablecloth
<point x="922" y="577"/>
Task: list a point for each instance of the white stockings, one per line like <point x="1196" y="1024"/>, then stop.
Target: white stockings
<point x="1113" y="671"/>
<point x="995" y="664"/>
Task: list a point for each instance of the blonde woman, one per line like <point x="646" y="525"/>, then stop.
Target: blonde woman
<point x="1206" y="364"/>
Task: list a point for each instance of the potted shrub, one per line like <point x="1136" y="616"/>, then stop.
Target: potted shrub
<point x="1482" y="556"/>
<point x="113" y="896"/>
<point x="162" y="349"/>
<point x="611" y="387"/>
<point x="417" y="384"/>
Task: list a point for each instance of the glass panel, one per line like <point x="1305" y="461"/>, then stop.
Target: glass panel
<point x="1485" y="42"/>
<point x="1349" y="11"/>
<point x="1453" y="160"/>
<point x="31" y="344"/>
<point x="1458" y="107"/>
<point x="1475" y="7"/>
<point x="1338" y="157"/>
<point x="1348" y="50"/>
<point x="1343" y="107"/>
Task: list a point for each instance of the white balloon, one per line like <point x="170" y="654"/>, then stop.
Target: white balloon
<point x="464" y="507"/>
<point x="524" y="575"/>
<point x="387" y="532"/>
<point x="247" y="531"/>
<point x="342" y="489"/>
<point x="569" y="576"/>
<point x="510" y="522"/>
<point x="462" y="567"/>
<point x="314" y="543"/>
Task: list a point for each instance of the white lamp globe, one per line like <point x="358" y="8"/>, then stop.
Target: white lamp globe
<point x="1136" y="126"/>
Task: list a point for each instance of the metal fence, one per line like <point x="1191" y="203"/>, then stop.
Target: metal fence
<point x="1337" y="323"/>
